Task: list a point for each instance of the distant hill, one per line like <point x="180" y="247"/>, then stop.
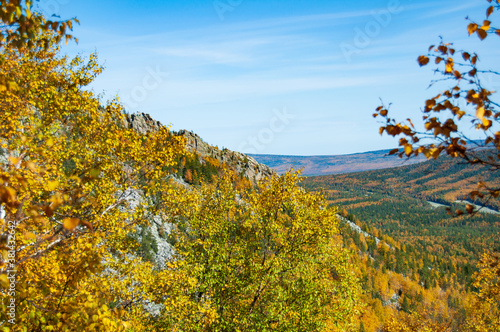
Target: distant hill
<point x="334" y="164"/>
<point x="444" y="180"/>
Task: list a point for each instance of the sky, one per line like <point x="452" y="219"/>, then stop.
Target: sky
<point x="289" y="77"/>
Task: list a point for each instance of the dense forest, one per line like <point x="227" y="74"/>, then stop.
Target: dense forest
<point x="396" y="201"/>
<point x="415" y="252"/>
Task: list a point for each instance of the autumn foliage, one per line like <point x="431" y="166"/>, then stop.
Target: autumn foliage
<point x="69" y="169"/>
<point x="447" y="115"/>
<point x="268" y="258"/>
<point x="78" y="186"/>
<point x="80" y="192"/>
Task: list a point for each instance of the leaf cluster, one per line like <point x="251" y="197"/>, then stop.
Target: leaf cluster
<point x="444" y="115"/>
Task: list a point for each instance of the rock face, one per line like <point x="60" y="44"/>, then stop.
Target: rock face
<point x="142" y="122"/>
<point x="237" y="161"/>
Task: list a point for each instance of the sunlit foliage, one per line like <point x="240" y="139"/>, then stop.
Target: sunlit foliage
<point x="267" y="258"/>
<point x="69" y="172"/>
<point x="78" y="186"/>
<point x="447" y="115"/>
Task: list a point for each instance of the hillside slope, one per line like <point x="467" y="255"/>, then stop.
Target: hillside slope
<point x="396" y="272"/>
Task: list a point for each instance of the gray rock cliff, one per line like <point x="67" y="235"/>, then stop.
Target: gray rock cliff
<point x="237" y="161"/>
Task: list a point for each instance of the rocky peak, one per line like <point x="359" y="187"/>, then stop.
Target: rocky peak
<point x="142" y="122"/>
<point x="237" y="161"/>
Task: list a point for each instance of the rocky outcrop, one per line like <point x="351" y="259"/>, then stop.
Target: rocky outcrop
<point x="142" y="122"/>
<point x="237" y="161"/>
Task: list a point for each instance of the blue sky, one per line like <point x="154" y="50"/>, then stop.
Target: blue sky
<point x="277" y="77"/>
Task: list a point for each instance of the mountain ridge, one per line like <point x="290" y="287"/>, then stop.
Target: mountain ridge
<point x="335" y="164"/>
<point x="240" y="163"/>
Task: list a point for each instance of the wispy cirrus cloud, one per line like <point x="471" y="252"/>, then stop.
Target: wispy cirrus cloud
<point x="447" y="9"/>
<point x="234" y="71"/>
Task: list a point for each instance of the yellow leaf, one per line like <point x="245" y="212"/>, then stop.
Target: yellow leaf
<point x="408" y="149"/>
<point x="430" y="103"/>
<point x="4" y="281"/>
<point x="52" y="185"/>
<point x="94" y="173"/>
<point x="449" y="66"/>
<point x="480" y="113"/>
<point x="29" y="236"/>
<point x="486" y="25"/>
<point x="56" y="200"/>
<point x="471" y="28"/>
<point x="87" y="224"/>
<point x="70" y="223"/>
<point x="13" y="160"/>
<point x="31" y="166"/>
<point x="487" y="123"/>
<point x="435" y="153"/>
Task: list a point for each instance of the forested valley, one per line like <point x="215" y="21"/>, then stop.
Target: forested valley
<point x="409" y="248"/>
